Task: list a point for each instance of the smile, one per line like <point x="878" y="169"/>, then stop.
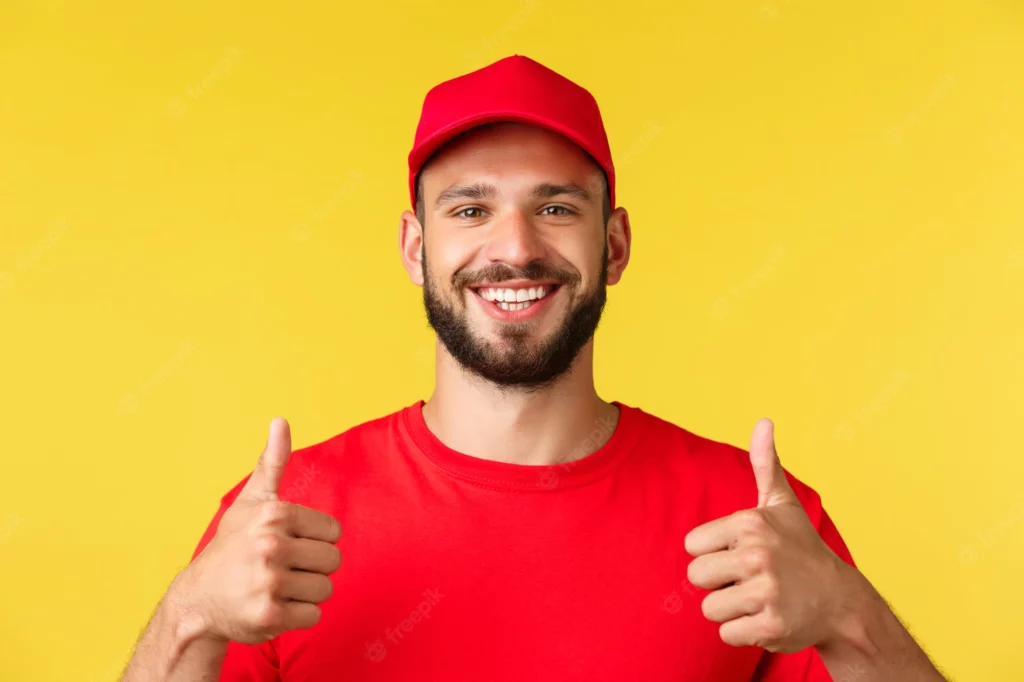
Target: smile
<point x="512" y="303"/>
<point x="515" y="299"/>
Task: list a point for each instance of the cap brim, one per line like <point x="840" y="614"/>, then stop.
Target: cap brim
<point x="426" y="148"/>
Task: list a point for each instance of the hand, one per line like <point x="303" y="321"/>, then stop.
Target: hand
<point x="266" y="569"/>
<point x="776" y="584"/>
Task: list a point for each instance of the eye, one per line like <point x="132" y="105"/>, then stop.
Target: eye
<point x="478" y="214"/>
<point x="565" y="210"/>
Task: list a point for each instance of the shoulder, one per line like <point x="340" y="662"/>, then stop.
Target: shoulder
<point x="321" y="466"/>
<point x="714" y="471"/>
<point x="315" y="470"/>
<point x="313" y="473"/>
<point x="353" y="441"/>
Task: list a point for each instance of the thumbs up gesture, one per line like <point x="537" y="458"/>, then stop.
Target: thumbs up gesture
<point x="775" y="582"/>
<point x="266" y="569"/>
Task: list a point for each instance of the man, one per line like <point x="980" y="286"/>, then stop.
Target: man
<point x="515" y="526"/>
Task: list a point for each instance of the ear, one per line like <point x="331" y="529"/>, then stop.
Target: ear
<point x="410" y="244"/>
<point x="619" y="239"/>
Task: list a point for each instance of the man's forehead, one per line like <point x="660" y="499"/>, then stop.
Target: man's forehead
<point x="546" y="189"/>
<point x="516" y="176"/>
<point x="513" y="158"/>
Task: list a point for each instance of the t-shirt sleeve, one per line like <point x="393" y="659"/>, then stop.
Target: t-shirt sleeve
<point x="806" y="665"/>
<point x="243" y="662"/>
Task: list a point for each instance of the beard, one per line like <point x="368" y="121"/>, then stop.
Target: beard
<point x="513" y="362"/>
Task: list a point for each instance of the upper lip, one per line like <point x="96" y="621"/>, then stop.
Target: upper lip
<point x="516" y="284"/>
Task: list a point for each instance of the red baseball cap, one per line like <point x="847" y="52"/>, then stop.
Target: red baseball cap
<point x="518" y="89"/>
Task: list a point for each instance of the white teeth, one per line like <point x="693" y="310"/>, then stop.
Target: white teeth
<point x="513" y="295"/>
<point x="514" y="299"/>
<point x="514" y="306"/>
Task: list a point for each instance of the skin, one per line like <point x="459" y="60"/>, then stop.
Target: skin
<point x="505" y="395"/>
<point x="514" y="228"/>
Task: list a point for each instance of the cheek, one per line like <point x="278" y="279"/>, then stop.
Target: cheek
<point x="581" y="246"/>
<point x="586" y="260"/>
<point x="443" y="263"/>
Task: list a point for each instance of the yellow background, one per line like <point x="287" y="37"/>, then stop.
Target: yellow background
<point x="199" y="208"/>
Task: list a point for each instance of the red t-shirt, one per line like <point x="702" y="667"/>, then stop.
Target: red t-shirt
<point x="459" y="568"/>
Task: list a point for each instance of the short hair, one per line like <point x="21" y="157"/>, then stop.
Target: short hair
<point x="606" y="201"/>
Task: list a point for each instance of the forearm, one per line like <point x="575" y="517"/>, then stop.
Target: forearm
<point x="869" y="642"/>
<point x="174" y="647"/>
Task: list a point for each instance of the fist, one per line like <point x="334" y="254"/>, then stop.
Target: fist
<point x="775" y="582"/>
<point x="266" y="569"/>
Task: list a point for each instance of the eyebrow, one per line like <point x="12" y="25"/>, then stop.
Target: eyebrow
<point x="476" y="191"/>
<point x="483" y="191"/>
<point x="548" y="190"/>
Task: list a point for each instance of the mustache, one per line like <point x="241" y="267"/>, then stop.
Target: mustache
<point x="500" y="272"/>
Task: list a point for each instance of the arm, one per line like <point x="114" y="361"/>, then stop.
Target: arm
<point x="777" y="585"/>
<point x="264" y="572"/>
<point x="174" y="646"/>
<point x="867" y="641"/>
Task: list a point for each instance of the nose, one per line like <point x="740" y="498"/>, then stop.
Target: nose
<point x="513" y="239"/>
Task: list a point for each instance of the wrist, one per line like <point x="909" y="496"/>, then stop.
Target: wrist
<point x="849" y="626"/>
<point x="184" y="610"/>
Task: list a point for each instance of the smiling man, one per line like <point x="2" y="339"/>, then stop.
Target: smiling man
<point x="515" y="525"/>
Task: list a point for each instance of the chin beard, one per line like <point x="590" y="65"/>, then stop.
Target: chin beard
<point x="513" y="362"/>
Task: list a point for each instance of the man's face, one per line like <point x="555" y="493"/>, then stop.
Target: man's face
<point x="515" y="264"/>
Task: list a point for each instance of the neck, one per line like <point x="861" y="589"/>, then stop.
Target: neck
<point x="551" y="426"/>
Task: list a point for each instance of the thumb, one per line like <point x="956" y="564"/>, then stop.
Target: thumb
<point x="772" y="486"/>
<point x="265" y="480"/>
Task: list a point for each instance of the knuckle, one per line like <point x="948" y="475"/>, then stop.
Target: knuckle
<point x="267" y="616"/>
<point x="269" y="547"/>
<point x="272" y="583"/>
<point x="774" y="628"/>
<point x="752" y="522"/>
<point x="770" y="592"/>
<point x="274" y="512"/>
<point x="757" y="560"/>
